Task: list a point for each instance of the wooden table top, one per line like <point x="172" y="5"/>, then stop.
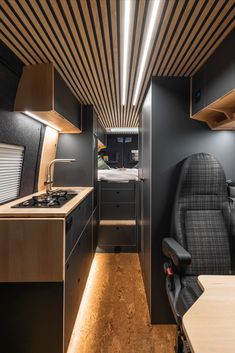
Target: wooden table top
<point x="209" y="324"/>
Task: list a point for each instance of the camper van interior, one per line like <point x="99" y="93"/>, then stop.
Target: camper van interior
<point x="117" y="176"/>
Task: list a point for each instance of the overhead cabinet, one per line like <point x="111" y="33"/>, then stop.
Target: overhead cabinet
<point x="213" y="89"/>
<point x="43" y="93"/>
<point x="99" y="131"/>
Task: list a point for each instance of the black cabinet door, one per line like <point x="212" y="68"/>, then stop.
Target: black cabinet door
<point x="76" y="273"/>
<point x="101" y="134"/>
<point x="76" y="222"/>
<point x="95" y="123"/>
<point x="73" y="292"/>
<point x="65" y="103"/>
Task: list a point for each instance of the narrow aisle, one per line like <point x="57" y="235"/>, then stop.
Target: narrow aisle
<point x="113" y="316"/>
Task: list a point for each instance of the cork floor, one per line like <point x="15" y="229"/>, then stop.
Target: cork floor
<point x="113" y="316"/>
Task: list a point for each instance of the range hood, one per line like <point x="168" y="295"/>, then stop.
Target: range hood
<point x="43" y="93"/>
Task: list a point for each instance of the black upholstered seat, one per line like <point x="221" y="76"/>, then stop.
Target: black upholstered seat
<point x="200" y="236"/>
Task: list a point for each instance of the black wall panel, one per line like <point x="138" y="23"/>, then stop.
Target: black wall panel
<point x="82" y="147"/>
<point x="16" y="128"/>
<point x="174" y="137"/>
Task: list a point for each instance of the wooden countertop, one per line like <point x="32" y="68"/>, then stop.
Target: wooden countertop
<point x="6" y="211"/>
<point x="209" y="324"/>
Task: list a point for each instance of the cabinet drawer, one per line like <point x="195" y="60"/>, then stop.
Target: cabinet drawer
<point x="118" y="195"/>
<point x="116" y="235"/>
<point x="118" y="211"/>
<point x="107" y="185"/>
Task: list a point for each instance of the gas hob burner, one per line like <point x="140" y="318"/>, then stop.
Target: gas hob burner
<point x="59" y="193"/>
<point x="46" y="199"/>
<point x="55" y="199"/>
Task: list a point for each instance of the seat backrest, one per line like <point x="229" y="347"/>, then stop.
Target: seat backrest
<point x="201" y="215"/>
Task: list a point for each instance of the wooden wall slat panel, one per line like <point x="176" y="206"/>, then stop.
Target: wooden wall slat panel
<point x="84" y="40"/>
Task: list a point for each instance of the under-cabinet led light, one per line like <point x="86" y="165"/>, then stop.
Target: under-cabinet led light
<point x="35" y="117"/>
<point x="126" y="35"/>
<point x="154" y="11"/>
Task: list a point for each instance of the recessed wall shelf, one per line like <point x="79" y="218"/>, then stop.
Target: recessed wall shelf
<point x="43" y="93"/>
<point x="219" y="115"/>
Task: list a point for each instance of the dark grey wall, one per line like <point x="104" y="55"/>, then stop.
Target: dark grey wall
<point x="217" y="76"/>
<point x="176" y="136"/>
<point x="82" y="148"/>
<point x="16" y="128"/>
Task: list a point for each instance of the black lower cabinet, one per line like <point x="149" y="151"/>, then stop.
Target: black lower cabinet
<point x="39" y="317"/>
<point x="31" y="319"/>
<point x="76" y="273"/>
<point x="117" y="230"/>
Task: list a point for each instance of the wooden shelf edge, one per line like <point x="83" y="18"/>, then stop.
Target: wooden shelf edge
<point x="219" y="115"/>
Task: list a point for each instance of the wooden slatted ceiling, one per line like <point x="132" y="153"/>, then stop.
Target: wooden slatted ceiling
<point x="84" y="39"/>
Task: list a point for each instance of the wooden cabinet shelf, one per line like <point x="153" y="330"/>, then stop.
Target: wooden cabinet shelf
<point x="219" y="115"/>
<point x="43" y="94"/>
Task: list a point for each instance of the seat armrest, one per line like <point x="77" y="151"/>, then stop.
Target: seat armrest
<point x="173" y="250"/>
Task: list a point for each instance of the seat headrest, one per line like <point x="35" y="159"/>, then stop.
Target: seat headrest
<point x="202" y="174"/>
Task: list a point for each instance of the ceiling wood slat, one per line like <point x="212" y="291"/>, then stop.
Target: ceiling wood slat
<point x="84" y="40"/>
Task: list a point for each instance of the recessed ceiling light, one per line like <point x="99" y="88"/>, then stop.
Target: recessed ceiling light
<point x="123" y="130"/>
<point x="126" y="35"/>
<point x="35" y="117"/>
<point x="154" y="10"/>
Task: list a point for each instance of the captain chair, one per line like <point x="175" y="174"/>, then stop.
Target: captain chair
<point x="200" y="233"/>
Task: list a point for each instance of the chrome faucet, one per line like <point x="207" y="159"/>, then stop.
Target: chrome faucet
<point x="49" y="182"/>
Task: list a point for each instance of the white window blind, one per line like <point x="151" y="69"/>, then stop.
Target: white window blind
<point x="11" y="163"/>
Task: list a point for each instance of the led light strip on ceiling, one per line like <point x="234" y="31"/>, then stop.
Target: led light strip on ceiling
<point x="126" y="35"/>
<point x="154" y="10"/>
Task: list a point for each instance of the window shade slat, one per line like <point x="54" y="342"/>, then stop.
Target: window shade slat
<point x="11" y="163"/>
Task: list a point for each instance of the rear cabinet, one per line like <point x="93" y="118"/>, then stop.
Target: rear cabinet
<point x="120" y="235"/>
<point x="118" y="210"/>
<point x="117" y="227"/>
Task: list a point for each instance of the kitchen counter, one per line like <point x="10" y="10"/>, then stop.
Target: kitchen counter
<point x="45" y="259"/>
<point x="6" y="211"/>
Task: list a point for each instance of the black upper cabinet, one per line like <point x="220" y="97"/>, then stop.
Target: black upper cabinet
<point x="65" y="103"/>
<point x="99" y="131"/>
<point x="43" y="92"/>
<point x="216" y="78"/>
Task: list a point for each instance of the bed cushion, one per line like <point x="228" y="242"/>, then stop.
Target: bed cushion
<point x="101" y="164"/>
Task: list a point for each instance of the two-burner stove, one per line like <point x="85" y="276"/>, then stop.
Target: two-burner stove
<point x="55" y="199"/>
